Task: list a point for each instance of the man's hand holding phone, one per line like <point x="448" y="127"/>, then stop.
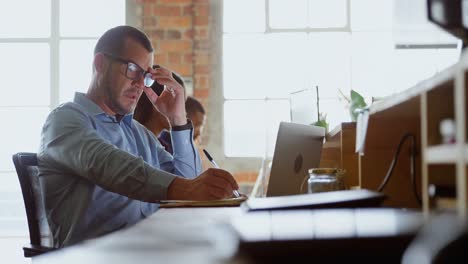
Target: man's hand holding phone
<point x="171" y="100"/>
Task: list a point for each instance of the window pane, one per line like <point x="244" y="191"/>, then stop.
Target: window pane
<point x="336" y="111"/>
<point x="76" y="59"/>
<point x="327" y="14"/>
<point x="244" y="15"/>
<point x="371" y="15"/>
<point x="270" y="65"/>
<point x="412" y="66"/>
<point x="329" y="64"/>
<point x="288" y="14"/>
<point x="244" y="128"/>
<point x="94" y="17"/>
<point x="23" y="133"/>
<point x="252" y="127"/>
<point x="244" y="58"/>
<point x="285" y="64"/>
<point x="277" y="111"/>
<point x="25" y="18"/>
<point x="10" y="183"/>
<point x="372" y="64"/>
<point x="26" y="74"/>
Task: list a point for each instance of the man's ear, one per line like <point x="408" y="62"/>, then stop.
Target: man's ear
<point x="99" y="62"/>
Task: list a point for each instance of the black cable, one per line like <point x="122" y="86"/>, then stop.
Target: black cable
<point x="412" y="165"/>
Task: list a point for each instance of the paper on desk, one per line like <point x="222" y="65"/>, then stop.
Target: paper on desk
<point x="236" y="201"/>
<point x="361" y="131"/>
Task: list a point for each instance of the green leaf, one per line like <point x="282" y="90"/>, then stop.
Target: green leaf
<point x="357" y="102"/>
<point x="322" y="122"/>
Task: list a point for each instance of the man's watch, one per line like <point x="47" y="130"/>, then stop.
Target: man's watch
<point x="183" y="127"/>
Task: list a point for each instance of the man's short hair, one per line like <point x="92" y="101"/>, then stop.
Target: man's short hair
<point x="113" y="40"/>
<point x="192" y="106"/>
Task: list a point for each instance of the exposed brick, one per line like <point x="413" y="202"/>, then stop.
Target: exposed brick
<point x="175" y="22"/>
<point x="160" y="58"/>
<point x="189" y="33"/>
<point x="160" y="10"/>
<point x="175" y="2"/>
<point x="188" y="58"/>
<point x="156" y="34"/>
<point x="174" y="58"/>
<point x="202" y="69"/>
<point x="182" y="69"/>
<point x="173" y="34"/>
<point x="201" y="93"/>
<point x="202" y="58"/>
<point x="201" y="33"/>
<point x="188" y="11"/>
<point x="176" y="45"/>
<point x="202" y="10"/>
<point x="201" y="20"/>
<point x="201" y="81"/>
<point x="147" y="10"/>
<point x="202" y="44"/>
<point x="149" y="22"/>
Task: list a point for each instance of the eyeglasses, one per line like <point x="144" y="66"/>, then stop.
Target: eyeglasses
<point x="133" y="71"/>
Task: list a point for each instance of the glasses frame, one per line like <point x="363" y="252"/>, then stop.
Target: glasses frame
<point x="148" y="81"/>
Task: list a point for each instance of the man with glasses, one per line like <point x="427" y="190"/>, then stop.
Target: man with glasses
<point x="99" y="169"/>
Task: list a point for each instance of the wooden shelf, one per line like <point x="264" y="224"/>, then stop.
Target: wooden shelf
<point x="443" y="154"/>
<point x="440" y="154"/>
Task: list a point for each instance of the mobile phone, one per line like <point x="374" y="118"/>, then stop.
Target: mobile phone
<point x="157" y="88"/>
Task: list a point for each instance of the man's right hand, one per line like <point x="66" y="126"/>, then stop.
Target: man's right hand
<point x="212" y="184"/>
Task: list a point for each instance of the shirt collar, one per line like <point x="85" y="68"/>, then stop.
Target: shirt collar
<point x="93" y="109"/>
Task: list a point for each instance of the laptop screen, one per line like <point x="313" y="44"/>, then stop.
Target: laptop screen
<point x="298" y="149"/>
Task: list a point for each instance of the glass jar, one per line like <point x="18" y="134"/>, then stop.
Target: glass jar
<point x="324" y="180"/>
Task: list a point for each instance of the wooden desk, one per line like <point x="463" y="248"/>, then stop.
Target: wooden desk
<point x="197" y="235"/>
<point x="185" y="235"/>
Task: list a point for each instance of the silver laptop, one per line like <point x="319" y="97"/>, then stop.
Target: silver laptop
<point x="298" y="148"/>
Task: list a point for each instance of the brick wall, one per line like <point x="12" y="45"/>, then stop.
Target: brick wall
<point x="182" y="33"/>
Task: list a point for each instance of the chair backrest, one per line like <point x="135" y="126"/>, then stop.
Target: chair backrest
<point x="26" y="168"/>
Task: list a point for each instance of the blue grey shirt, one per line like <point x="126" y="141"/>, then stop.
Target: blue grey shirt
<point x="99" y="174"/>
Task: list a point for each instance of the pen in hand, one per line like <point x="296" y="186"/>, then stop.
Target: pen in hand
<point x="236" y="193"/>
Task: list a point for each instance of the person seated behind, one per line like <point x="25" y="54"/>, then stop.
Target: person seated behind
<point x="196" y="113"/>
<point x="152" y="119"/>
<point x="99" y="169"/>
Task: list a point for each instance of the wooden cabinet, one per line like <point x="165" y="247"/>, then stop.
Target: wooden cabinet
<point x="339" y="152"/>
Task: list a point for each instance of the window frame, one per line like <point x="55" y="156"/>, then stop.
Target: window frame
<point x="53" y="40"/>
<point x="270" y="30"/>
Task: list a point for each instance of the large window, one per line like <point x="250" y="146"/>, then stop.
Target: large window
<point x="272" y="48"/>
<point x="46" y="50"/>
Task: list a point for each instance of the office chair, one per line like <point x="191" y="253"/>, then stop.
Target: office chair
<point x="26" y="168"/>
